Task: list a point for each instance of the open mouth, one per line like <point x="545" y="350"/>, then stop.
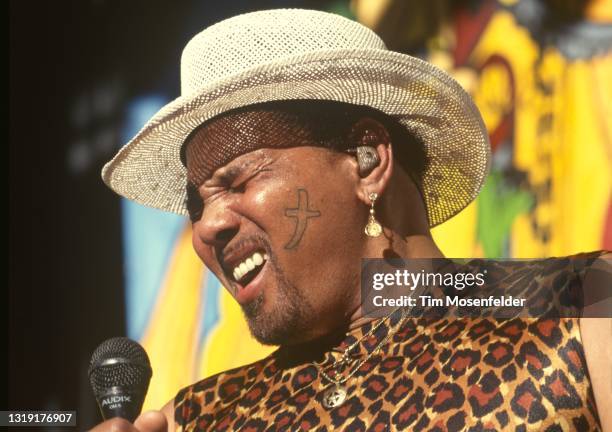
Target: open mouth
<point x="246" y="270"/>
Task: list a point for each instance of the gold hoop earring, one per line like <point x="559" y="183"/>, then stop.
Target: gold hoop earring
<point x="373" y="227"/>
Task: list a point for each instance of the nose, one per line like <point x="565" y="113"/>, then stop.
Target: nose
<point x="218" y="224"/>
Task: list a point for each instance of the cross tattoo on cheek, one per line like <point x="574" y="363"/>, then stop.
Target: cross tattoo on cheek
<point x="301" y="214"/>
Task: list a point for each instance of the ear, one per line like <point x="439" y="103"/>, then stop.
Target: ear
<point x="370" y="132"/>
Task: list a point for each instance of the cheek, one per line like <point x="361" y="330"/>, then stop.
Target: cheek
<point x="202" y="251"/>
<point x="327" y="210"/>
<point x="338" y="230"/>
<point x="265" y="207"/>
<point x="325" y="265"/>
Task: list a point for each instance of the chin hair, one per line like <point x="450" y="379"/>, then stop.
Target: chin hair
<point x="286" y="319"/>
<point x="277" y="327"/>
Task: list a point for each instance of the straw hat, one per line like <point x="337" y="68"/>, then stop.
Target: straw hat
<point x="288" y="54"/>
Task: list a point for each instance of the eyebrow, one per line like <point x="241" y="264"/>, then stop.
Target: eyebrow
<point x="230" y="173"/>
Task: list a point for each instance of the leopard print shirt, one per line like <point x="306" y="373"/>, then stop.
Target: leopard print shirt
<point x="431" y="374"/>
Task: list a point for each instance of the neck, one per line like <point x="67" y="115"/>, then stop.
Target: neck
<point x="406" y="235"/>
<point x="391" y="245"/>
<point x="419" y="246"/>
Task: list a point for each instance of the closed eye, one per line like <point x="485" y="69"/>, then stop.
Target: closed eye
<point x="240" y="186"/>
<point x="195" y="203"/>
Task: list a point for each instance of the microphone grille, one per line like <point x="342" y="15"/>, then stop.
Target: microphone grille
<point x="119" y="362"/>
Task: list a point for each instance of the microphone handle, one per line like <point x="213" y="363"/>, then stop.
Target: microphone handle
<point x="121" y="402"/>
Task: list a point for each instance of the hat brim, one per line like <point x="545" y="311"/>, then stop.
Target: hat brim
<point x="426" y="100"/>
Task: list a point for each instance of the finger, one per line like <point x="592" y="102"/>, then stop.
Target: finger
<point x="152" y="421"/>
<point x="116" y="424"/>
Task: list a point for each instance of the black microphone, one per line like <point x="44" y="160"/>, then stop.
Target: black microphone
<point x="119" y="373"/>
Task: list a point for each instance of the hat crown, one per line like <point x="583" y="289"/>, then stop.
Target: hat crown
<point x="249" y="40"/>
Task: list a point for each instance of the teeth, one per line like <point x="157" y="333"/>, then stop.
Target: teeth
<point x="248" y="265"/>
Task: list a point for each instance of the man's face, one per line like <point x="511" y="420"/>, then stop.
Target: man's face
<point x="281" y="228"/>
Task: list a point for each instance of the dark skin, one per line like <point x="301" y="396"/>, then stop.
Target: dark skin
<point x="301" y="213"/>
<point x="246" y="205"/>
<point x="297" y="205"/>
<point x="235" y="224"/>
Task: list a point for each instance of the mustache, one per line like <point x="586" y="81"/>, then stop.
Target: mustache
<point x="255" y="239"/>
<point x="265" y="243"/>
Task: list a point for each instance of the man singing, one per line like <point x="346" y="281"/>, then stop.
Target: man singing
<point x="299" y="146"/>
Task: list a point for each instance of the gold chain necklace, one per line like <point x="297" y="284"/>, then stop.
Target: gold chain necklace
<point x="336" y="395"/>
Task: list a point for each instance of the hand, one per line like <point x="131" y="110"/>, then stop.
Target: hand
<point x="151" y="421"/>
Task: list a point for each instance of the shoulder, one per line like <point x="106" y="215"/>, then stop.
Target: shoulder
<point x="595" y="270"/>
<point x="556" y="286"/>
<point x="596" y="331"/>
<point x="569" y="263"/>
<point x="203" y="397"/>
<point x="586" y="261"/>
<point x="594" y="273"/>
<point x="547" y="272"/>
<point x="577" y="283"/>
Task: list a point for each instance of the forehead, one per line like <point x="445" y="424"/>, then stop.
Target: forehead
<point x="223" y="139"/>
